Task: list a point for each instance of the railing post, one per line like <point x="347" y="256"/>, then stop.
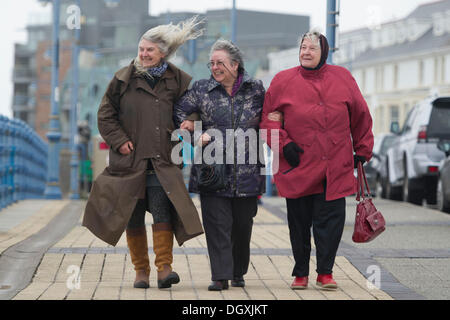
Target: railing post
<point x="23" y="162"/>
<point x="2" y="162"/>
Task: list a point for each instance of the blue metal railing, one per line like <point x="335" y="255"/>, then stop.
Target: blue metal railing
<point x="23" y="162"/>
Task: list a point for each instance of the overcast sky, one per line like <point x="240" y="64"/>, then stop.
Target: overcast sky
<point x="14" y="15"/>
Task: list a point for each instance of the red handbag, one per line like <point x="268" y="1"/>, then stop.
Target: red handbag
<point x="369" y="222"/>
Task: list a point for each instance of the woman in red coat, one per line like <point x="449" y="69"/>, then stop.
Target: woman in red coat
<point x="324" y="128"/>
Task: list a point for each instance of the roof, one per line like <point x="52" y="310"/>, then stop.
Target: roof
<point x="427" y="9"/>
<point x="427" y="42"/>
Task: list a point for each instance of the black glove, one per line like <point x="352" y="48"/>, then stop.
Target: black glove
<point x="357" y="159"/>
<point x="290" y="152"/>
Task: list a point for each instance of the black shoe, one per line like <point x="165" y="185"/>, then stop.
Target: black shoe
<point x="238" y="282"/>
<point x="218" y="285"/>
<point x="167" y="282"/>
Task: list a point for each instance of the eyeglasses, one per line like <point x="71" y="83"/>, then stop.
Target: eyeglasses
<point x="212" y="64"/>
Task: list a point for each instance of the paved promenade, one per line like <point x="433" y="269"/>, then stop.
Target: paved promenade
<point x="51" y="266"/>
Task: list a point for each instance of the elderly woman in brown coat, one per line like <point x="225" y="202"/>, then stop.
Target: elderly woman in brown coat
<point x="135" y="119"/>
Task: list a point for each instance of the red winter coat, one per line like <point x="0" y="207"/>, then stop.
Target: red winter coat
<point x="326" y="115"/>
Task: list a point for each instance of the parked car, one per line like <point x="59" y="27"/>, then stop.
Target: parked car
<point x="375" y="172"/>
<point x="443" y="185"/>
<point x="412" y="162"/>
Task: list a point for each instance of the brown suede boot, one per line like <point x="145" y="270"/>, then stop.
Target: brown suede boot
<point x="163" y="246"/>
<point x="137" y="243"/>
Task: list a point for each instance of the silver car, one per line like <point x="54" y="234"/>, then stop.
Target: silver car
<point x="375" y="170"/>
<point x="412" y="162"/>
<point x="443" y="185"/>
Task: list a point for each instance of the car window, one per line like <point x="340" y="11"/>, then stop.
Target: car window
<point x="409" y="120"/>
<point x="439" y="125"/>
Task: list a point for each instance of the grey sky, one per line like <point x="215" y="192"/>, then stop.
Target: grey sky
<point x="14" y="15"/>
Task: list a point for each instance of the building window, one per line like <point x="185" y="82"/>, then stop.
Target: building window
<point x="380" y="121"/>
<point x="23" y="116"/>
<point x="394" y="113"/>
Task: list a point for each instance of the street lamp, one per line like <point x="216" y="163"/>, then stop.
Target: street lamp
<point x="233" y="22"/>
<point x="74" y="193"/>
<point x="331" y="27"/>
<point x="52" y="189"/>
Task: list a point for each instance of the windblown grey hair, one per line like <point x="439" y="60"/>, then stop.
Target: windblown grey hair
<point x="312" y="35"/>
<point x="233" y="51"/>
<point x="169" y="37"/>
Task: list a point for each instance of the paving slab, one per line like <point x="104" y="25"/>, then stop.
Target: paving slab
<point x="104" y="272"/>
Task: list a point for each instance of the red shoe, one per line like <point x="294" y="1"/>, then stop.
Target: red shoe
<point x="325" y="281"/>
<point x="299" y="283"/>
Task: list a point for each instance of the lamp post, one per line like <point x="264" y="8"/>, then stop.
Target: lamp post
<point x="233" y="22"/>
<point x="331" y="28"/>
<point x="52" y="189"/>
<point x="74" y="162"/>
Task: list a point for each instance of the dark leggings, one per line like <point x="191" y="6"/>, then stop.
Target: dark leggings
<point x="157" y="203"/>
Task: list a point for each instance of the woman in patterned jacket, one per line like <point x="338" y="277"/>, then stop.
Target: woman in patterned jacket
<point x="229" y="99"/>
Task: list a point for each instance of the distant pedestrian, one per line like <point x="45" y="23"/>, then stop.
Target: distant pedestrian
<point x="136" y="120"/>
<point x="322" y="119"/>
<point x="229" y="99"/>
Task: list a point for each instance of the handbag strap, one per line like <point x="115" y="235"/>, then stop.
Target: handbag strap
<point x="362" y="180"/>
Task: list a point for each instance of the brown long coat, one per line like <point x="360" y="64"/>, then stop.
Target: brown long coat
<point x="132" y="111"/>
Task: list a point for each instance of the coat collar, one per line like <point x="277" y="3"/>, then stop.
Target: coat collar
<point x="313" y="73"/>
<point x="212" y="83"/>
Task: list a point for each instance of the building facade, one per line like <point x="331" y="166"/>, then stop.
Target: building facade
<point x="395" y="64"/>
<point x="399" y="63"/>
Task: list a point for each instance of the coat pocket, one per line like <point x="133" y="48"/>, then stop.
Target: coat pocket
<point x="307" y="140"/>
<point x="120" y="162"/>
<point x="342" y="144"/>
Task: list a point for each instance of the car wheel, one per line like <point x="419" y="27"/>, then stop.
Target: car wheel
<point x="405" y="189"/>
<point x="379" y="189"/>
<point x="392" y="192"/>
<point x="442" y="202"/>
<point x="409" y="194"/>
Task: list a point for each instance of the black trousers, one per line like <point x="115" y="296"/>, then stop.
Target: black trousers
<point x="327" y="219"/>
<point x="228" y="226"/>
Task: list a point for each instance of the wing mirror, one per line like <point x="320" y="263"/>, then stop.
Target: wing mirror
<point x="395" y="127"/>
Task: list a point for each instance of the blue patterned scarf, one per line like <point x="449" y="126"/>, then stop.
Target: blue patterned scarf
<point x="158" y="71"/>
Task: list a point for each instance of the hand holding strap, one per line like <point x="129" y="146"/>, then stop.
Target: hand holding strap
<point x="362" y="180"/>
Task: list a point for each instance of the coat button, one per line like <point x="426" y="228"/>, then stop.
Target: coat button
<point x="156" y="100"/>
<point x="324" y="158"/>
<point x="168" y="192"/>
<point x="157" y="128"/>
<point x="158" y="156"/>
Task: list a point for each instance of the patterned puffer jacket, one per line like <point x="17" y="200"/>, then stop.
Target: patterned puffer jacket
<point x="218" y="110"/>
